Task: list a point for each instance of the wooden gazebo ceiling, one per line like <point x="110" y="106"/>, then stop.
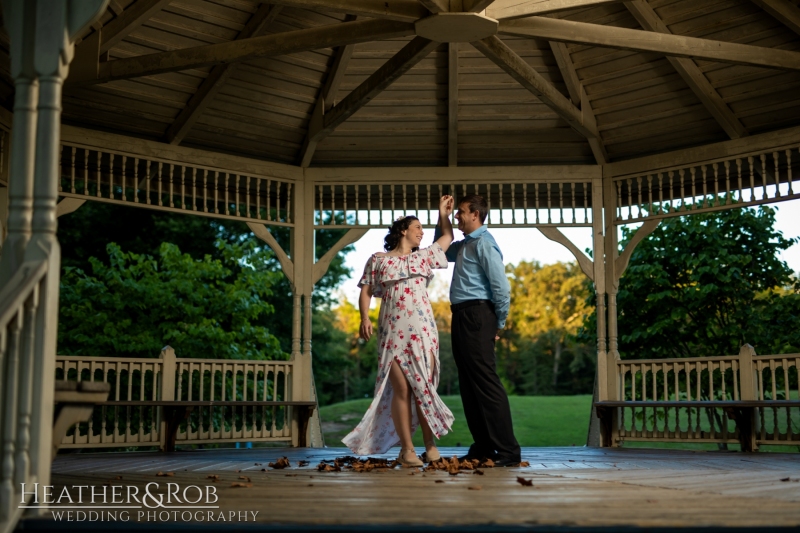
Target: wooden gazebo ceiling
<point x="356" y="87"/>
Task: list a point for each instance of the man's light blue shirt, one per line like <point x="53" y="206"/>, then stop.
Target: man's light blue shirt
<point x="479" y="273"/>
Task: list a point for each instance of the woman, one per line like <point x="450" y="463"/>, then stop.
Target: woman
<point x="408" y="343"/>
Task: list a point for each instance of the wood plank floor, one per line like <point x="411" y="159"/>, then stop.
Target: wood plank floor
<point x="574" y="486"/>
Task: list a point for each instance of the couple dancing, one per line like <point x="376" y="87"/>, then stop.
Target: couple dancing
<point x="408" y="341"/>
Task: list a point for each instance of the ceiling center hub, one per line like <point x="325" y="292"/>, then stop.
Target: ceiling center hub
<point x="456" y="27"/>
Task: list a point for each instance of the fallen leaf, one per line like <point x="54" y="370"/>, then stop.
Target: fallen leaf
<point x="478" y="472"/>
<point x="213" y="477"/>
<point x="525" y="482"/>
<point x="474" y="487"/>
<point x="786" y="479"/>
<point x="257" y="464"/>
<point x="238" y="470"/>
<point x="524" y="463"/>
<point x="488" y="463"/>
<point x="310" y="484"/>
<point x="245" y="478"/>
<point x="439" y="481"/>
<point x="118" y="477"/>
<point x="571" y="460"/>
<point x="302" y="463"/>
<point x="241" y="485"/>
<point x="168" y="474"/>
<point x="281" y="463"/>
<point x="291" y="475"/>
<point x="264" y="470"/>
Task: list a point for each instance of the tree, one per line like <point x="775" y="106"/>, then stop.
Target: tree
<point x="136" y="304"/>
<point x="548" y="307"/>
<point x="703" y="285"/>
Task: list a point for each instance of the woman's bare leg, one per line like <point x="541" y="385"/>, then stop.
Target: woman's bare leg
<point x="427" y="433"/>
<point x="401" y="406"/>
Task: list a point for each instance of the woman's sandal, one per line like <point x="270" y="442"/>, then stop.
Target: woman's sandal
<point x="431" y="454"/>
<point x="409" y="463"/>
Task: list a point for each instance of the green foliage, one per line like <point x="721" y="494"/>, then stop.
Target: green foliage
<point x="136" y="304"/>
<point x="703" y="285"/>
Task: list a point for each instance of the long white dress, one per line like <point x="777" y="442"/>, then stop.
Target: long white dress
<point x="407" y="336"/>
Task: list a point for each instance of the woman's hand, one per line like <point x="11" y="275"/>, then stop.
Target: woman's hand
<point x="365" y="331"/>
<point x="446" y="205"/>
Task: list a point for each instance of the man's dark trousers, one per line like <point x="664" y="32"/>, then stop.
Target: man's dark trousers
<point x="485" y="401"/>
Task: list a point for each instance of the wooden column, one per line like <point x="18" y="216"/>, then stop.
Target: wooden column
<point x="611" y="284"/>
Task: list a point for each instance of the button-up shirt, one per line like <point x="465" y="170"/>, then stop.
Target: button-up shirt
<point x="479" y="273"/>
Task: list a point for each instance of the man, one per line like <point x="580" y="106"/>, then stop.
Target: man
<point x="480" y="298"/>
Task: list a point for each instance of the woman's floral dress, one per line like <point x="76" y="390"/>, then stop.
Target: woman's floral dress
<point x="407" y="336"/>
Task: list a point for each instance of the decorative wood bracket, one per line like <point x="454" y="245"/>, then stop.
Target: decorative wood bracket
<point x="621" y="262"/>
<point x="555" y="235"/>
<point x="68" y="205"/>
<point x="321" y="266"/>
<point x="263" y="233"/>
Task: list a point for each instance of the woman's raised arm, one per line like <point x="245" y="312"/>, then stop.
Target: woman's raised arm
<point x="445" y="209"/>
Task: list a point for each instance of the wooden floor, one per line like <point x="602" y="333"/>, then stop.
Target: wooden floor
<point x="574" y="486"/>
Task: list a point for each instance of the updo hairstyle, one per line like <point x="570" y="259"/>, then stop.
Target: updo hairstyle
<point x="395" y="235"/>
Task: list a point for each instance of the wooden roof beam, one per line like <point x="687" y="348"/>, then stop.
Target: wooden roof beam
<point x="578" y="96"/>
<point x="690" y="73"/>
<point x="130" y="19"/>
<point x="263" y="16"/>
<point x="436" y="6"/>
<point x="326" y="98"/>
<point x="400" y="10"/>
<point x="475" y="6"/>
<point x="411" y="54"/>
<point x="784" y="11"/>
<point x="512" y="9"/>
<point x="452" y="104"/>
<point x="643" y="41"/>
<point x="526" y="75"/>
<point x="277" y="44"/>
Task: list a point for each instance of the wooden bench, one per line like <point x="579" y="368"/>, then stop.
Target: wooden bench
<point x="176" y="411"/>
<point x="74" y="402"/>
<point x="740" y="411"/>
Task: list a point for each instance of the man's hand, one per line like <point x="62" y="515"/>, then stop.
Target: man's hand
<point x="365" y="331"/>
<point x="498" y="334"/>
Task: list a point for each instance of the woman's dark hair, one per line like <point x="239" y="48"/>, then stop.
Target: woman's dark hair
<point x="392" y="239"/>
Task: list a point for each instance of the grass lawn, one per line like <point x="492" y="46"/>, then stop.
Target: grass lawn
<point x="538" y="420"/>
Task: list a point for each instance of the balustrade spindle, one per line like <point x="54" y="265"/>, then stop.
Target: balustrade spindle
<point x="216" y="191"/>
<point x="72" y="168"/>
<point x="358" y="187"/>
<point x="716" y="199"/>
<point x="629" y="187"/>
<point x="137" y="180"/>
<point x="619" y="200"/>
<point x="391" y="188"/>
<point x="489" y="202"/>
<point x="525" y="202"/>
<point x="182" y="177"/>
<point x="124" y="180"/>
<point x="650" y="193"/>
<point x="98" y="176"/>
<point x="333" y="204"/>
<point x="148" y="175"/>
<point x="205" y="190"/>
<point x="536" y="199"/>
<point x="269" y="201"/>
<point x="777" y="175"/>
<point x="587" y="190"/>
<point x="693" y="178"/>
<point x="319" y="205"/>
<point x="380" y="203"/>
<point x="549" y="204"/>
<point x="416" y="201"/>
<point x="739" y="171"/>
<point x="728" y="195"/>
<point x="258" y="198"/>
<point x="560" y="203"/>
<point x="671" y="175"/>
<point x="369" y="203"/>
<point x="789" y="179"/>
<point x="111" y="192"/>
<point x="764" y="177"/>
<point x="171" y="175"/>
<point x="193" y="178"/>
<point x="344" y="202"/>
<point x="751" y="163"/>
<point x="160" y="180"/>
<point x="639" y="196"/>
<point x="681" y="181"/>
<point x="288" y="217"/>
<point x="247" y="184"/>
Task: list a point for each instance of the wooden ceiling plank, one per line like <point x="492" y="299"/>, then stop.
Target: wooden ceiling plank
<point x="436" y="6"/>
<point x="644" y="41"/>
<point x="400" y="10"/>
<point x="690" y="73"/>
<point x="452" y="104"/>
<point x="263" y="16"/>
<point x="130" y="19"/>
<point x="411" y="54"/>
<point x="513" y="9"/>
<point x="326" y="99"/>
<point x="578" y="96"/>
<point x="247" y="49"/>
<point x="517" y="68"/>
<point x="784" y="11"/>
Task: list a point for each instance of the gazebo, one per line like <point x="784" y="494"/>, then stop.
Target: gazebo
<point x="318" y="114"/>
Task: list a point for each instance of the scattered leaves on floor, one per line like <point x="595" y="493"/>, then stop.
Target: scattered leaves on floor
<point x="302" y="463"/>
<point x="524" y="463"/>
<point x="439" y="481"/>
<point x="474" y="487"/>
<point x="213" y="477"/>
<point x="281" y="463"/>
<point x="478" y="472"/>
<point x="237" y="484"/>
<point x="245" y="478"/>
<point x="168" y="474"/>
<point x="525" y="482"/>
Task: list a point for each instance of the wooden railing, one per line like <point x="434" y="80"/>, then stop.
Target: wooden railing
<point x="747" y="179"/>
<point x="171" y="378"/>
<point x="21" y="310"/>
<point x="740" y="377"/>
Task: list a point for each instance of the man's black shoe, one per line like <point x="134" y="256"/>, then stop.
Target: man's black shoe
<point x="500" y="463"/>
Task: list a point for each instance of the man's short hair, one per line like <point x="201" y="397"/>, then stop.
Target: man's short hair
<point x="476" y="203"/>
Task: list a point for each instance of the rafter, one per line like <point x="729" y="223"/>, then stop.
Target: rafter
<point x="526" y="75"/>
<point x="263" y="16"/>
<point x="511" y="9"/>
<point x="130" y="19"/>
<point x="452" y="104"/>
<point x="690" y="73"/>
<point x="411" y="54"/>
<point x="643" y="41"/>
<point x="436" y="6"/>
<point x="325" y="99"/>
<point x="578" y="96"/>
<point x="247" y="49"/>
<point x="784" y="11"/>
<point x="474" y="6"/>
<point x="400" y="10"/>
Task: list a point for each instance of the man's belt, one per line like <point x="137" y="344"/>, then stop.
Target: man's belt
<point x="471" y="303"/>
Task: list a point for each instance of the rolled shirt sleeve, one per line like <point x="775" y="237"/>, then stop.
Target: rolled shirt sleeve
<point x="491" y="259"/>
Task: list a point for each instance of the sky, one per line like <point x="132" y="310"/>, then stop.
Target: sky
<point x="528" y="244"/>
